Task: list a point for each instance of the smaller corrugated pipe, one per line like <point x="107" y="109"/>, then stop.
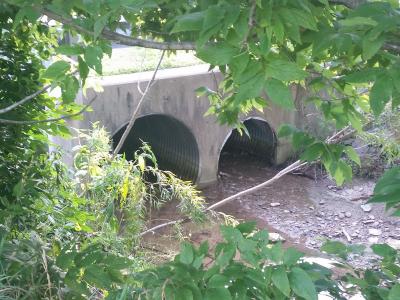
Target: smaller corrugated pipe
<point x="261" y="140"/>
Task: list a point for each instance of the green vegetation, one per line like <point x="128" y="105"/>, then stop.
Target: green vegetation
<point x="133" y="59"/>
<point x="73" y="233"/>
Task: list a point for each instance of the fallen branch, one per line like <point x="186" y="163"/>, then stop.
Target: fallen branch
<point x="133" y="117"/>
<point x="16" y="122"/>
<point x="294" y="166"/>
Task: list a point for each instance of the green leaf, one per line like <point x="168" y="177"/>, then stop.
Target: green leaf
<point x="387" y="188"/>
<point x="28" y="12"/>
<point x="93" y="56"/>
<point x="83" y="69"/>
<point x="70" y="50"/>
<point x="217" y="281"/>
<point x="219" y="54"/>
<point x="371" y="47"/>
<point x="279" y="93"/>
<point x="56" y="70"/>
<point x="394" y="293"/>
<point x="352" y="154"/>
<point x="302" y="284"/>
<point x="280" y="280"/>
<point x="292" y="256"/>
<point x="186" y="255"/>
<point x="217" y="294"/>
<point x="99" y="25"/>
<point x="380" y="94"/>
<point x="358" y="21"/>
<point x="69" y="89"/>
<point x="285" y="70"/>
<point x="384" y="250"/>
<point x="335" y="247"/>
<point x="299" y="17"/>
<point x="189" y="22"/>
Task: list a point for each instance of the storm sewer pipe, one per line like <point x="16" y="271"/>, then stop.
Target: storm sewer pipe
<point x="176" y="148"/>
<point x="171" y="141"/>
<point x="261" y="140"/>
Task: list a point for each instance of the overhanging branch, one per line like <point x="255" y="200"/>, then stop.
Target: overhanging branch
<point x="123" y="39"/>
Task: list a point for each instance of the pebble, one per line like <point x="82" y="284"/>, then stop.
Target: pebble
<point x="322" y="202"/>
<point x="366" y="207"/>
<point x="348" y="214"/>
<point x="275" y="237"/>
<point x="286" y="211"/>
<point x="393" y="243"/>
<point x="341" y="216"/>
<point x="373" y="240"/>
<point x="274" y="204"/>
<point x="368" y="221"/>
<point x="374" y="231"/>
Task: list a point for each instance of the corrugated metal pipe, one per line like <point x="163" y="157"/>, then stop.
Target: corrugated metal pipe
<point x="171" y="141"/>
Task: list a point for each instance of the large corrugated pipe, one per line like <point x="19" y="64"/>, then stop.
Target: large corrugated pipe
<point x="171" y="141"/>
<point x="261" y="140"/>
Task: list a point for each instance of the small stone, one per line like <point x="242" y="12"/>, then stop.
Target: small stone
<point x="393" y="243"/>
<point x="372" y="217"/>
<point x="373" y="240"/>
<point x="311" y="207"/>
<point x="274" y="204"/>
<point x="366" y="207"/>
<point x="374" y="231"/>
<point x="313" y="242"/>
<point x="275" y="237"/>
<point x="348" y="214"/>
<point x="286" y="211"/>
<point x="368" y="221"/>
<point x="341" y="216"/>
<point x="322" y="202"/>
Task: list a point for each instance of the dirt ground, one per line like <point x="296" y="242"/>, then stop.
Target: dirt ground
<point x="304" y="211"/>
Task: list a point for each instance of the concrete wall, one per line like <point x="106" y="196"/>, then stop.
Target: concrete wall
<point x="173" y="93"/>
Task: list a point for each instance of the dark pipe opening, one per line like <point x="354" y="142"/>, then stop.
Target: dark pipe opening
<point x="171" y="141"/>
<point x="259" y="145"/>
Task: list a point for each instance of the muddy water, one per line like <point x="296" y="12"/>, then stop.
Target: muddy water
<point x="304" y="211"/>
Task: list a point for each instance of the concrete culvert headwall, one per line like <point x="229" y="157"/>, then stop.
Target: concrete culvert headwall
<point x="260" y="142"/>
<point x="171" y="141"/>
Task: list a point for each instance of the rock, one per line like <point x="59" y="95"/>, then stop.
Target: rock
<point x="366" y="207"/>
<point x="286" y="211"/>
<point x="374" y="231"/>
<point x="348" y="214"/>
<point x="368" y="221"/>
<point x="274" y="204"/>
<point x="275" y="237"/>
<point x="311" y="207"/>
<point x="393" y="243"/>
<point x="322" y="202"/>
<point x="373" y="240"/>
<point x="341" y="216"/>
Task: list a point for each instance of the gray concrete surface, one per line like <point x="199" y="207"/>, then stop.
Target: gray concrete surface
<point x="173" y="94"/>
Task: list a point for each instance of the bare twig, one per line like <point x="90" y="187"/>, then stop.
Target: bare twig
<point x="16" y="122"/>
<point x="24" y="100"/>
<point x="133" y="117"/>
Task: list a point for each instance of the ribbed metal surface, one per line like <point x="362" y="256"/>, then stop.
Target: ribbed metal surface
<point x="262" y="140"/>
<point x="171" y="141"/>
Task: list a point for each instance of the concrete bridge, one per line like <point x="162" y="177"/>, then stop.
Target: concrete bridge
<point x="172" y="120"/>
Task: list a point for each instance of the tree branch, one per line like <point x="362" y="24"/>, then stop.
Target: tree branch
<point x="24" y="100"/>
<point x="16" y="122"/>
<point x="133" y="117"/>
<point x="123" y="39"/>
